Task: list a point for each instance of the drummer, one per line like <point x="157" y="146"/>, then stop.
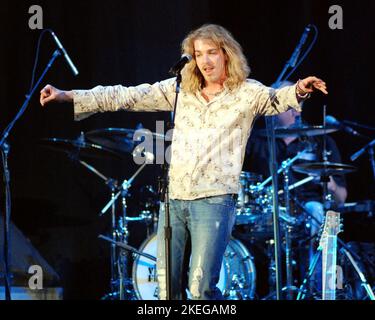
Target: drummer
<point x="309" y="195"/>
<point x="257" y="159"/>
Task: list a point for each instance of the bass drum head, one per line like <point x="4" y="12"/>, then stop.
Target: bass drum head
<point x="237" y="275"/>
<point x="144" y="271"/>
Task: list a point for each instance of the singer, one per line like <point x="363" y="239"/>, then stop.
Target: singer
<point x="216" y="110"/>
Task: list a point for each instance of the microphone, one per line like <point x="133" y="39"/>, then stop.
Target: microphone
<point x="297" y="51"/>
<point x="330" y="120"/>
<point x="67" y="58"/>
<point x="176" y="69"/>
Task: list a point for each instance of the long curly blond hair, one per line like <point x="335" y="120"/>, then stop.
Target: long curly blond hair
<point x="237" y="68"/>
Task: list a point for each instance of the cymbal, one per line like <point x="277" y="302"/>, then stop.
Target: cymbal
<point x="324" y="168"/>
<point x="121" y="139"/>
<point x="78" y="148"/>
<point x="300" y="131"/>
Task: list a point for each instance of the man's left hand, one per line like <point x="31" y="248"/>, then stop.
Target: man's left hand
<point x="310" y="84"/>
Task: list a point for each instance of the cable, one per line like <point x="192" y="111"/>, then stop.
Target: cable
<point x="37" y="57"/>
<point x="22" y="110"/>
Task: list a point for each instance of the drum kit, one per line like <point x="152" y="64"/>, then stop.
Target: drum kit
<point x="238" y="276"/>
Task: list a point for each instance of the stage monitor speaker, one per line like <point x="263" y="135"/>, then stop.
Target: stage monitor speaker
<point x="23" y="255"/>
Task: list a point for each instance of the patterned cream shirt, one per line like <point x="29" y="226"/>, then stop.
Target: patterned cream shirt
<point x="209" y="139"/>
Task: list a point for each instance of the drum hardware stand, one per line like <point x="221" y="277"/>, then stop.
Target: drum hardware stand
<point x="125" y="282"/>
<point x="271" y="268"/>
<point x="370" y="149"/>
<point x="116" y="232"/>
<point x="297" y="184"/>
<point x="349" y="253"/>
<point x="285" y="166"/>
<point x="127" y="247"/>
<point x="236" y="289"/>
<point x="302" y="290"/>
<point x="327" y="200"/>
<point x="364" y="282"/>
<point x="4" y="149"/>
<point x="288" y="241"/>
<point x="120" y="281"/>
<point x="286" y="163"/>
<point x="150" y="213"/>
<point x="120" y="234"/>
<point x="285" y="169"/>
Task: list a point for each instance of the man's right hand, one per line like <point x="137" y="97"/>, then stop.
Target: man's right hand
<point x="50" y="93"/>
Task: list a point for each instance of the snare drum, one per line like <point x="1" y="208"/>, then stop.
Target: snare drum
<point x="237" y="275"/>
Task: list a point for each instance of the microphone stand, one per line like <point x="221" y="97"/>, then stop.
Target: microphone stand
<point x="4" y="149"/>
<point x="327" y="199"/>
<point x="164" y="196"/>
<point x="270" y="125"/>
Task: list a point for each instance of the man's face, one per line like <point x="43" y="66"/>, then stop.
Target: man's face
<point x="210" y="60"/>
<point x="288" y="118"/>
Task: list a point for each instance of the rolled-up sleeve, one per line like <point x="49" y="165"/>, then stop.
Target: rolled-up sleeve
<point x="145" y="97"/>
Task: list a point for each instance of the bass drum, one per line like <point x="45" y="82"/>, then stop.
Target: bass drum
<point x="237" y="275"/>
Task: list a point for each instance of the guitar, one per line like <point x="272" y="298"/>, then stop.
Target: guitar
<point x="328" y="243"/>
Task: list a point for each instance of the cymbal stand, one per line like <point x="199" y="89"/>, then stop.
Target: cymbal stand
<point x="120" y="234"/>
<point x="370" y="149"/>
<point x="288" y="230"/>
<point x="284" y="168"/>
<point x="119" y="282"/>
<point x="302" y="290"/>
<point x="345" y="250"/>
<point x="113" y="185"/>
<point x="327" y="199"/>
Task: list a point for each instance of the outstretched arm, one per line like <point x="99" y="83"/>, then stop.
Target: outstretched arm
<point x="49" y="94"/>
<point x="273" y="101"/>
<point x="144" y="97"/>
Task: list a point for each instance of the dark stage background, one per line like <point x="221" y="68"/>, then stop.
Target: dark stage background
<point x="56" y="202"/>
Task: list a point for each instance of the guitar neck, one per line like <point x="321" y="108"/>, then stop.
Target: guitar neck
<point x="329" y="262"/>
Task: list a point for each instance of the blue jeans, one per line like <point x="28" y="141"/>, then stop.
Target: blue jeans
<point x="202" y="227"/>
